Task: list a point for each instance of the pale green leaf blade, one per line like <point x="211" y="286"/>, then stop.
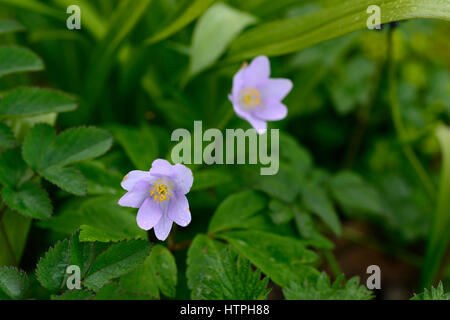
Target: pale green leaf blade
<point x="36" y="144"/>
<point x="336" y="19"/>
<point x="51" y="269"/>
<point x="218" y="26"/>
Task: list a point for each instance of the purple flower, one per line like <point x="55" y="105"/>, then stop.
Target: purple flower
<point x="257" y="98"/>
<point x="160" y="196"/>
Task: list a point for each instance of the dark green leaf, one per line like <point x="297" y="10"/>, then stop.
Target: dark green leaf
<point x="12" y="168"/>
<point x="13" y="282"/>
<point x="7" y="140"/>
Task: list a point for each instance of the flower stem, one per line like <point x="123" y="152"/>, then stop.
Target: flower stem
<point x="399" y="125"/>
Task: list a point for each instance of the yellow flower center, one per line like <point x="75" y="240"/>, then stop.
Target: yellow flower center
<point x="250" y="98"/>
<point x="161" y="190"/>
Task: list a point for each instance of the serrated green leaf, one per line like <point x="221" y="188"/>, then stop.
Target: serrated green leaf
<point x="12" y="168"/>
<point x="236" y="211"/>
<point x="82" y="254"/>
<point x="281" y="258"/>
<point x="68" y="179"/>
<point x="433" y="293"/>
<point x="33" y="101"/>
<point x="218" y="26"/>
<point x="29" y="199"/>
<point x="316" y="200"/>
<point x="214" y="272"/>
<point x="355" y="195"/>
<point x="320" y="288"/>
<point x="186" y="13"/>
<point x="157" y="274"/>
<point x="13" y="282"/>
<point x="36" y="144"/>
<point x="116" y="261"/>
<point x="17" y="59"/>
<point x="10" y="26"/>
<point x="7" y="140"/>
<point x="75" y="145"/>
<point x="335" y="19"/>
<point x="140" y="145"/>
<point x="51" y="269"/>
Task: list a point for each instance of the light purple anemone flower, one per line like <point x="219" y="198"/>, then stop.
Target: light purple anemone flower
<point x="160" y="195"/>
<point x="257" y="98"/>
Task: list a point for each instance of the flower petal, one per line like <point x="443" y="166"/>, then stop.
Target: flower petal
<point x="161" y="167"/>
<point x="273" y="110"/>
<point x="133" y="177"/>
<point x="162" y="228"/>
<point x="257" y="72"/>
<point x="276" y="89"/>
<point x="259" y="125"/>
<point x="136" y="196"/>
<point x="179" y="211"/>
<point x="238" y="82"/>
<point x="149" y="214"/>
<point x="183" y="178"/>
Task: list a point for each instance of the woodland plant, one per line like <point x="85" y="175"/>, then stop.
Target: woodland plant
<point x="86" y="117"/>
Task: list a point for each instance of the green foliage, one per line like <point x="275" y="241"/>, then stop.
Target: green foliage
<point x="16" y="59"/>
<point x="283" y="259"/>
<point x="158" y="274"/>
<point x="216" y="273"/>
<point x="217" y="27"/>
<point x="9" y="26"/>
<point x="321" y="288"/>
<point x="7" y="140"/>
<point x="97" y="269"/>
<point x="13" y="283"/>
<point x="433" y="293"/>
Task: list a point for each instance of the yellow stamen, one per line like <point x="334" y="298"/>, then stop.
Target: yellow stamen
<point x="250" y="98"/>
<point x="161" y="191"/>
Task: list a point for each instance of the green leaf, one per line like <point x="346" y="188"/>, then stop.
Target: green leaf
<point x="17" y="59"/>
<point x="12" y="168"/>
<point x="236" y="211"/>
<point x="218" y="26"/>
<point x="7" y="140"/>
<point x="355" y="195"/>
<point x="33" y="101"/>
<point x="433" y="294"/>
<point x="334" y="20"/>
<point x="281" y="258"/>
<point x="280" y="212"/>
<point x="112" y="291"/>
<point x="100" y="179"/>
<point x="29" y="199"/>
<point x="68" y="179"/>
<point x="316" y="200"/>
<point x="116" y="261"/>
<point x="214" y="272"/>
<point x="75" y="145"/>
<point x="186" y="13"/>
<point x="37" y="143"/>
<point x="439" y="233"/>
<point x="51" y="269"/>
<point x="320" y="288"/>
<point x="101" y="220"/>
<point x="308" y="230"/>
<point x="13" y="283"/>
<point x="10" y="26"/>
<point x="209" y="178"/>
<point x="157" y="274"/>
<point x="74" y="295"/>
<point x="140" y="145"/>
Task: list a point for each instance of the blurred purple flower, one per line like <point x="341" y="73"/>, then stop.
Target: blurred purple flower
<point x="160" y="196"/>
<point x="257" y="98"/>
